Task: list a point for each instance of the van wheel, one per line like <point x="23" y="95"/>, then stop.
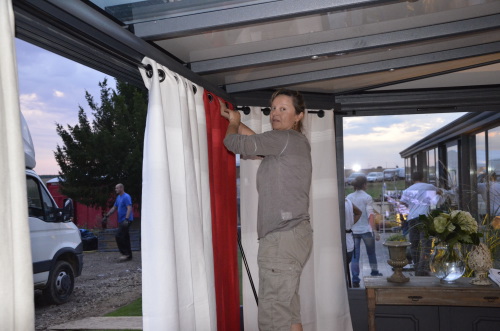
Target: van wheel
<point x="60" y="284"/>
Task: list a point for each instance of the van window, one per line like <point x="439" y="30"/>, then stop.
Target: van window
<point x="39" y="203"/>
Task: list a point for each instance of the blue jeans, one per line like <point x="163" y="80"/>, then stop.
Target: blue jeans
<point x="369" y="241"/>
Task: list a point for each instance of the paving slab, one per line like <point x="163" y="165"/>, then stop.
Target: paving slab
<point x="102" y="323"/>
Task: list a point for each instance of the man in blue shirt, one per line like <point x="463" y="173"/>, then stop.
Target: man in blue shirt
<point x="123" y="204"/>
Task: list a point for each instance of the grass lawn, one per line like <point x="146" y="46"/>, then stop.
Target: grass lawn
<point x="375" y="189"/>
<point x="132" y="309"/>
<point x="135" y="308"/>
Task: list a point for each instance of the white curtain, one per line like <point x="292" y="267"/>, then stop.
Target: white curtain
<point x="177" y="257"/>
<point x="17" y="311"/>
<point x="323" y="290"/>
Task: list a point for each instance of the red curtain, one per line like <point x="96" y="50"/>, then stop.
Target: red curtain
<point x="222" y="167"/>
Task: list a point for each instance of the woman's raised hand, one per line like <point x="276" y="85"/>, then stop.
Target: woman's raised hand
<point x="224" y="111"/>
<point x="230" y="115"/>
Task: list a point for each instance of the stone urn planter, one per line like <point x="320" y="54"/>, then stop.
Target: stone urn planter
<point x="397" y="259"/>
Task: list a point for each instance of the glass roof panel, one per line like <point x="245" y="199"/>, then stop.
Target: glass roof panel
<point x="129" y="11"/>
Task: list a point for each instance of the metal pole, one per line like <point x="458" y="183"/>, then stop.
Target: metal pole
<point x="248" y="269"/>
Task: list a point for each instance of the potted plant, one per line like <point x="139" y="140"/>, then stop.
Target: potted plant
<point x="397" y="244"/>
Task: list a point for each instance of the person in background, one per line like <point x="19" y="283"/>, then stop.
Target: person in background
<point x="352" y="215"/>
<point x="491" y="190"/>
<point x="283" y="222"/>
<point x="123" y="204"/>
<point x="364" y="229"/>
<point x="419" y="198"/>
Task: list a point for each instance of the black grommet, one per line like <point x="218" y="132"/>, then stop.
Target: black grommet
<point x="246" y="110"/>
<point x="266" y="111"/>
<point x="149" y="70"/>
<point x="210" y="97"/>
<point x="195" y="89"/>
<point x="162" y="75"/>
<point x="177" y="79"/>
<point x="321" y="113"/>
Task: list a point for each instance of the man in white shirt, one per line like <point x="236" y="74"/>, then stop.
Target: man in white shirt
<point x="491" y="190"/>
<point x="420" y="198"/>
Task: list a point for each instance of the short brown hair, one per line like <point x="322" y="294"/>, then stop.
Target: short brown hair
<point x="359" y="182"/>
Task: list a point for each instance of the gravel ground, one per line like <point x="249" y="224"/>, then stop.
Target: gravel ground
<point x="104" y="286"/>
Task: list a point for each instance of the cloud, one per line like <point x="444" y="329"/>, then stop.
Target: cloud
<point x="51" y="90"/>
<point x="58" y="94"/>
<point x="374" y="141"/>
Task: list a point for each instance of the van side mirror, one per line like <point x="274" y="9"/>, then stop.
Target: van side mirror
<point x="67" y="212"/>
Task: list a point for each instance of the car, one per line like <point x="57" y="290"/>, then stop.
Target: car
<point x="390" y="174"/>
<point x="394" y="174"/>
<point x="353" y="176"/>
<point x="375" y="177"/>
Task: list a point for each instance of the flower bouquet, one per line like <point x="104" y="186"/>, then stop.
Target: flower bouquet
<point x="455" y="227"/>
<point x="449" y="231"/>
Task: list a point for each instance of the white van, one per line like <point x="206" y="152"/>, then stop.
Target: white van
<point x="56" y="245"/>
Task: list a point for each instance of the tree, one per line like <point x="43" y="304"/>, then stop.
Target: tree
<point x="95" y="157"/>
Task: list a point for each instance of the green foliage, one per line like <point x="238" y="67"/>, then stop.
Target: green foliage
<point x="375" y="189"/>
<point x="132" y="309"/>
<point x="397" y="237"/>
<point x="96" y="156"/>
<point x="455" y="227"/>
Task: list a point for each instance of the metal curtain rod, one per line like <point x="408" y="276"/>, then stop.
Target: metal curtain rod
<point x="161" y="73"/>
<point x="267" y="111"/>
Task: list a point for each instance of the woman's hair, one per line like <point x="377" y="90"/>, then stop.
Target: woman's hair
<point x="359" y="182"/>
<point x="298" y="103"/>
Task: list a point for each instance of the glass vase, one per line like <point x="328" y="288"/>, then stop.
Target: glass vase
<point x="447" y="263"/>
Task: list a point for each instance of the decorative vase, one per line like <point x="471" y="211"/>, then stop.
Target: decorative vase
<point x="447" y="263"/>
<point x="480" y="261"/>
<point x="397" y="260"/>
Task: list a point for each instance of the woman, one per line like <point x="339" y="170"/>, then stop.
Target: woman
<point x="283" y="183"/>
<point x="364" y="229"/>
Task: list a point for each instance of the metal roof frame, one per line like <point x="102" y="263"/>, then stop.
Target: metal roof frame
<point x="379" y="66"/>
<point x="160" y="23"/>
<point x="469" y="123"/>
<point x="86" y="34"/>
<point x="351" y="45"/>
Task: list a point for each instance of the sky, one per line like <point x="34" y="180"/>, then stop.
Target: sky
<point x="373" y="141"/>
<point x="52" y="88"/>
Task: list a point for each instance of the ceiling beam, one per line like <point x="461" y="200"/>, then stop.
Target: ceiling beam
<point x="161" y="24"/>
<point x="418" y="101"/>
<point x="350" y="45"/>
<point x="360" y="69"/>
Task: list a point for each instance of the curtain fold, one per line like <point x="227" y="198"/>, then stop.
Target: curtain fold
<point x="222" y="166"/>
<point x="178" y="281"/>
<point x="323" y="290"/>
<point x="17" y="311"/>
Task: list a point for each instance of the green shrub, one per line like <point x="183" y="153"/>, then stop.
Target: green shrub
<point x="397" y="237"/>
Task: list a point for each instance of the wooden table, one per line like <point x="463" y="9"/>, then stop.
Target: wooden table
<point x="427" y="291"/>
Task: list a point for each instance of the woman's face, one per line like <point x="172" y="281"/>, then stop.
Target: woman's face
<point x="283" y="115"/>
